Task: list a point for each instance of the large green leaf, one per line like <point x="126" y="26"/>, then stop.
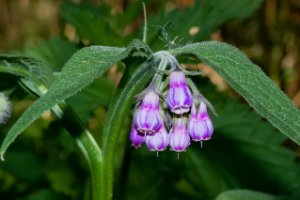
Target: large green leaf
<point x="249" y="195"/>
<point x="80" y="71"/>
<point x="250" y="81"/>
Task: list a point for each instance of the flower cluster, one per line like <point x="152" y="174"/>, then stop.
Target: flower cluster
<point x="188" y="108"/>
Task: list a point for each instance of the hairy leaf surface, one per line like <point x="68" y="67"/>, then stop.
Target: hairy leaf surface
<point x="249" y="81"/>
<point x="80" y="71"/>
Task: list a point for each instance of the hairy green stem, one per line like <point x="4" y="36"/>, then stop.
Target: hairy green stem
<point x="145" y="23"/>
<point x="117" y="113"/>
<point x="84" y="139"/>
<point x="86" y="143"/>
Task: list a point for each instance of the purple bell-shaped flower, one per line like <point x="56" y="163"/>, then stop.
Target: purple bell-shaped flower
<point x="136" y="138"/>
<point x="200" y="125"/>
<point x="179" y="97"/>
<point x="179" y="138"/>
<point x="147" y="119"/>
<point x="159" y="141"/>
<point x="203" y="114"/>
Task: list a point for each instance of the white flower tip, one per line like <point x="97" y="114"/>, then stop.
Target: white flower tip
<point x="5" y="108"/>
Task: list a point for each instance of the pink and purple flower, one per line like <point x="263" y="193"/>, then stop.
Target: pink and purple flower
<point x="147" y="119"/>
<point x="200" y="125"/>
<point x="159" y="141"/>
<point x="179" y="97"/>
<point x="136" y="138"/>
<point x="179" y="137"/>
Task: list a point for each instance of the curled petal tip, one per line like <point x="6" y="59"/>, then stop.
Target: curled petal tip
<point x="136" y="138"/>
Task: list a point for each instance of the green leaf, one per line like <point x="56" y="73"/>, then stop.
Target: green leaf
<point x="91" y="23"/>
<point x="249" y="80"/>
<point x="97" y="94"/>
<point x="54" y="52"/>
<point x="80" y="71"/>
<point x="249" y="195"/>
<point x="204" y="16"/>
<point x="24" y="67"/>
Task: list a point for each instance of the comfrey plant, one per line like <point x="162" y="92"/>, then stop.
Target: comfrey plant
<point x="170" y="112"/>
<point x="181" y="99"/>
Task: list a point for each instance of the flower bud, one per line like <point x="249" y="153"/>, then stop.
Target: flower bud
<point x="203" y="114"/>
<point x="179" y="138"/>
<point x="179" y="97"/>
<point x="136" y="138"/>
<point x="5" y="108"/>
<point x="200" y="125"/>
<point x="196" y="127"/>
<point x="159" y="141"/>
<point x="147" y="118"/>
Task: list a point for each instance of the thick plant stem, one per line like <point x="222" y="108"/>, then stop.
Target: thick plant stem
<point x="84" y="139"/>
<point x="86" y="143"/>
<point x="93" y="155"/>
<point x="117" y="113"/>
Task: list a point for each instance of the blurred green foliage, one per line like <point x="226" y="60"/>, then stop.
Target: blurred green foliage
<point x="245" y="152"/>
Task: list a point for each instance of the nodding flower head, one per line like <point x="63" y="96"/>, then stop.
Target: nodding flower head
<point x="153" y="124"/>
<point x="200" y="125"/>
<point x="5" y="108"/>
<point x="147" y="119"/>
<point x="159" y="141"/>
<point x="136" y="138"/>
<point x="179" y="97"/>
<point x="179" y="138"/>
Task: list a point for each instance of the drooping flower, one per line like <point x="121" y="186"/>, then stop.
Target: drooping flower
<point x="136" y="138"/>
<point x="147" y="119"/>
<point x="158" y="141"/>
<point x="5" y="108"/>
<point x="179" y="97"/>
<point x="196" y="126"/>
<point x="179" y="138"/>
<point x="200" y="125"/>
<point x="152" y="123"/>
<point x="203" y="114"/>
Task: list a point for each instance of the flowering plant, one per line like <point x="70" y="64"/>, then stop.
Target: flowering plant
<point x="150" y="118"/>
<point x="169" y="112"/>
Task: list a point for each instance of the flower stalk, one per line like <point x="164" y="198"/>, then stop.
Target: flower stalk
<point x="117" y="113"/>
